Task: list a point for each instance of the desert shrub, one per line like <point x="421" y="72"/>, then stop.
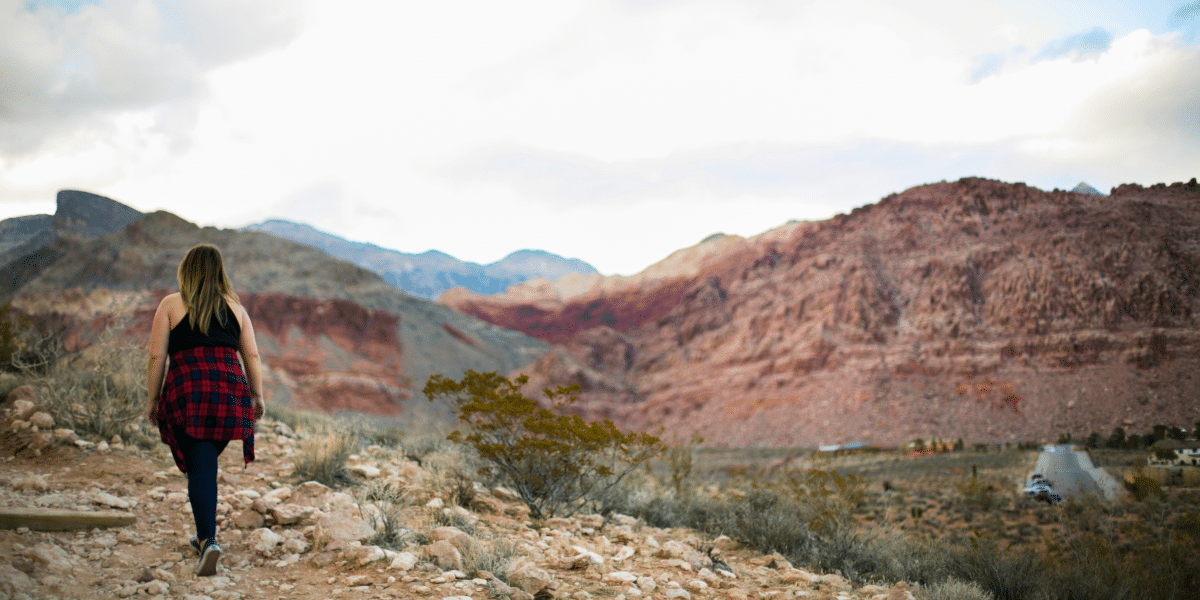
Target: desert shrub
<point x="1143" y="486"/>
<point x="388" y="522"/>
<point x="910" y="558"/>
<point x="1005" y="574"/>
<point x="558" y="464"/>
<point x="954" y="589"/>
<point x="297" y="419"/>
<point x="978" y="495"/>
<point x="680" y="458"/>
<point x="97" y="391"/>
<point x="452" y="518"/>
<point x="322" y="456"/>
<point x="494" y="556"/>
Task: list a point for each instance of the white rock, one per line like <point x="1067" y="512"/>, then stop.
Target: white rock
<point x="177" y="497"/>
<point x="106" y="499"/>
<point x="623" y="552"/>
<point x="363" y="555"/>
<point x="22" y="409"/>
<point x="435" y="503"/>
<point x="264" y="540"/>
<point x="647" y="584"/>
<point x="51" y="557"/>
<point x="295" y="546"/>
<point x="155" y="588"/>
<point x="404" y="561"/>
<point x="338" y="529"/>
<point x="282" y="493"/>
<point x="593" y="558"/>
<point x="677" y="593"/>
<point x="248" y="493"/>
<point x="42" y="420"/>
<point x="367" y="471"/>
<point x="621" y="577"/>
<point x="30" y="481"/>
<point x="288" y="513"/>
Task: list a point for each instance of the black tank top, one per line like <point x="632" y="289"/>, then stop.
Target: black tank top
<point x="183" y="337"/>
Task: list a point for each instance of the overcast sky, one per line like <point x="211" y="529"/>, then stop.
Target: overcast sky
<point x="611" y="131"/>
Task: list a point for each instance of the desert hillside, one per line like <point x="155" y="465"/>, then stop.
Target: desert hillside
<point x="334" y="336"/>
<point x="976" y="309"/>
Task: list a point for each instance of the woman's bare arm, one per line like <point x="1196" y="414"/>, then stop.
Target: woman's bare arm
<point x="156" y="365"/>
<point x="248" y="347"/>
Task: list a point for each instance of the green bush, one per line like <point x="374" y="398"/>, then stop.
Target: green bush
<point x="558" y="464"/>
<point x="1142" y="486"/>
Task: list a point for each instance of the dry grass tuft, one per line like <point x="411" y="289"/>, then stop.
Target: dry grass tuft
<point x="322" y="457"/>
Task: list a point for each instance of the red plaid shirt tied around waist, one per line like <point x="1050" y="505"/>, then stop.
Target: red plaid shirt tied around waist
<point x="206" y="395"/>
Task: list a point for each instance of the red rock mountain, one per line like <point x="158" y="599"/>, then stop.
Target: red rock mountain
<point x="333" y="336"/>
<point x="975" y="309"/>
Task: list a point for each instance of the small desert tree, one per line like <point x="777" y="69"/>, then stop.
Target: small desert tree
<point x="557" y="463"/>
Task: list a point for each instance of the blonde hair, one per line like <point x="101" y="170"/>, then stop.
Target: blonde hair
<point x="204" y="286"/>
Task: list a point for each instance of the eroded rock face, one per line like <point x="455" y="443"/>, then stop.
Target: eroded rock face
<point x="974" y="309"/>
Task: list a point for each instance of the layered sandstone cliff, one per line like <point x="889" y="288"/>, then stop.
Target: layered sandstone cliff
<point x="975" y="309"/>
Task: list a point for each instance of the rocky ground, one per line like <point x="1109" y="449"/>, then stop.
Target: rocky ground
<point x="289" y="539"/>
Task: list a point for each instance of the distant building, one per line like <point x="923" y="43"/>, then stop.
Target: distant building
<point x="1187" y="454"/>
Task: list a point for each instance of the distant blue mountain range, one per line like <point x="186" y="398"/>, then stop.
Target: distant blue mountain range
<point x="428" y="274"/>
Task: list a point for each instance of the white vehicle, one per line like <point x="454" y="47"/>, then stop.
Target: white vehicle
<point x="1040" y="488"/>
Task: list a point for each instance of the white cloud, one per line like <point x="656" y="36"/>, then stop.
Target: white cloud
<point x="479" y="127"/>
<point x="70" y="68"/>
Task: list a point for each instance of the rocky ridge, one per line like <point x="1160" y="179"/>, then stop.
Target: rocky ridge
<point x="303" y="540"/>
<point x="334" y="336"/>
<point x="977" y="309"/>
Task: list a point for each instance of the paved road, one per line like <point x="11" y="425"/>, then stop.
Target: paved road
<point x="1073" y="475"/>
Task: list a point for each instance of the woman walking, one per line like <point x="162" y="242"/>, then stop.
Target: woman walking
<point x="201" y="397"/>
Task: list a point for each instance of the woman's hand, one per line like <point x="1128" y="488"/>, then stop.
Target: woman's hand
<point x="152" y="412"/>
<point x="260" y="407"/>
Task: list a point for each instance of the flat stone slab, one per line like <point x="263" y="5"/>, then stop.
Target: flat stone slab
<point x="45" y="519"/>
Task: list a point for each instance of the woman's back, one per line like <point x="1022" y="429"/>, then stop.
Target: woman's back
<point x="185" y="336"/>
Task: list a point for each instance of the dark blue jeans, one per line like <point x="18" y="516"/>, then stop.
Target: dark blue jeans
<point x="201" y="458"/>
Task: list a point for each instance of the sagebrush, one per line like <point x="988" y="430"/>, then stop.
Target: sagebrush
<point x="557" y="463"/>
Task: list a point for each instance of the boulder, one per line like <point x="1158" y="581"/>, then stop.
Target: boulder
<point x="295" y="546"/>
<point x="51" y="558"/>
<point x="248" y="519"/>
<point x="673" y="549"/>
<point x="26" y="393"/>
<point x="454" y="535"/>
<point x="339" y="528"/>
<point x="264" y="541"/>
<point x="525" y="575"/>
<point x="404" y="561"/>
<point x="21" y="409"/>
<point x="42" y="420"/>
<point x="290" y="514"/>
<point x="443" y="554"/>
<point x="311" y="493"/>
<point x="364" y="555"/>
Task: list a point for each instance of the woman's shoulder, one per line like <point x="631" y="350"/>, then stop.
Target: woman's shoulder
<point x="172" y="301"/>
<point x="237" y="309"/>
